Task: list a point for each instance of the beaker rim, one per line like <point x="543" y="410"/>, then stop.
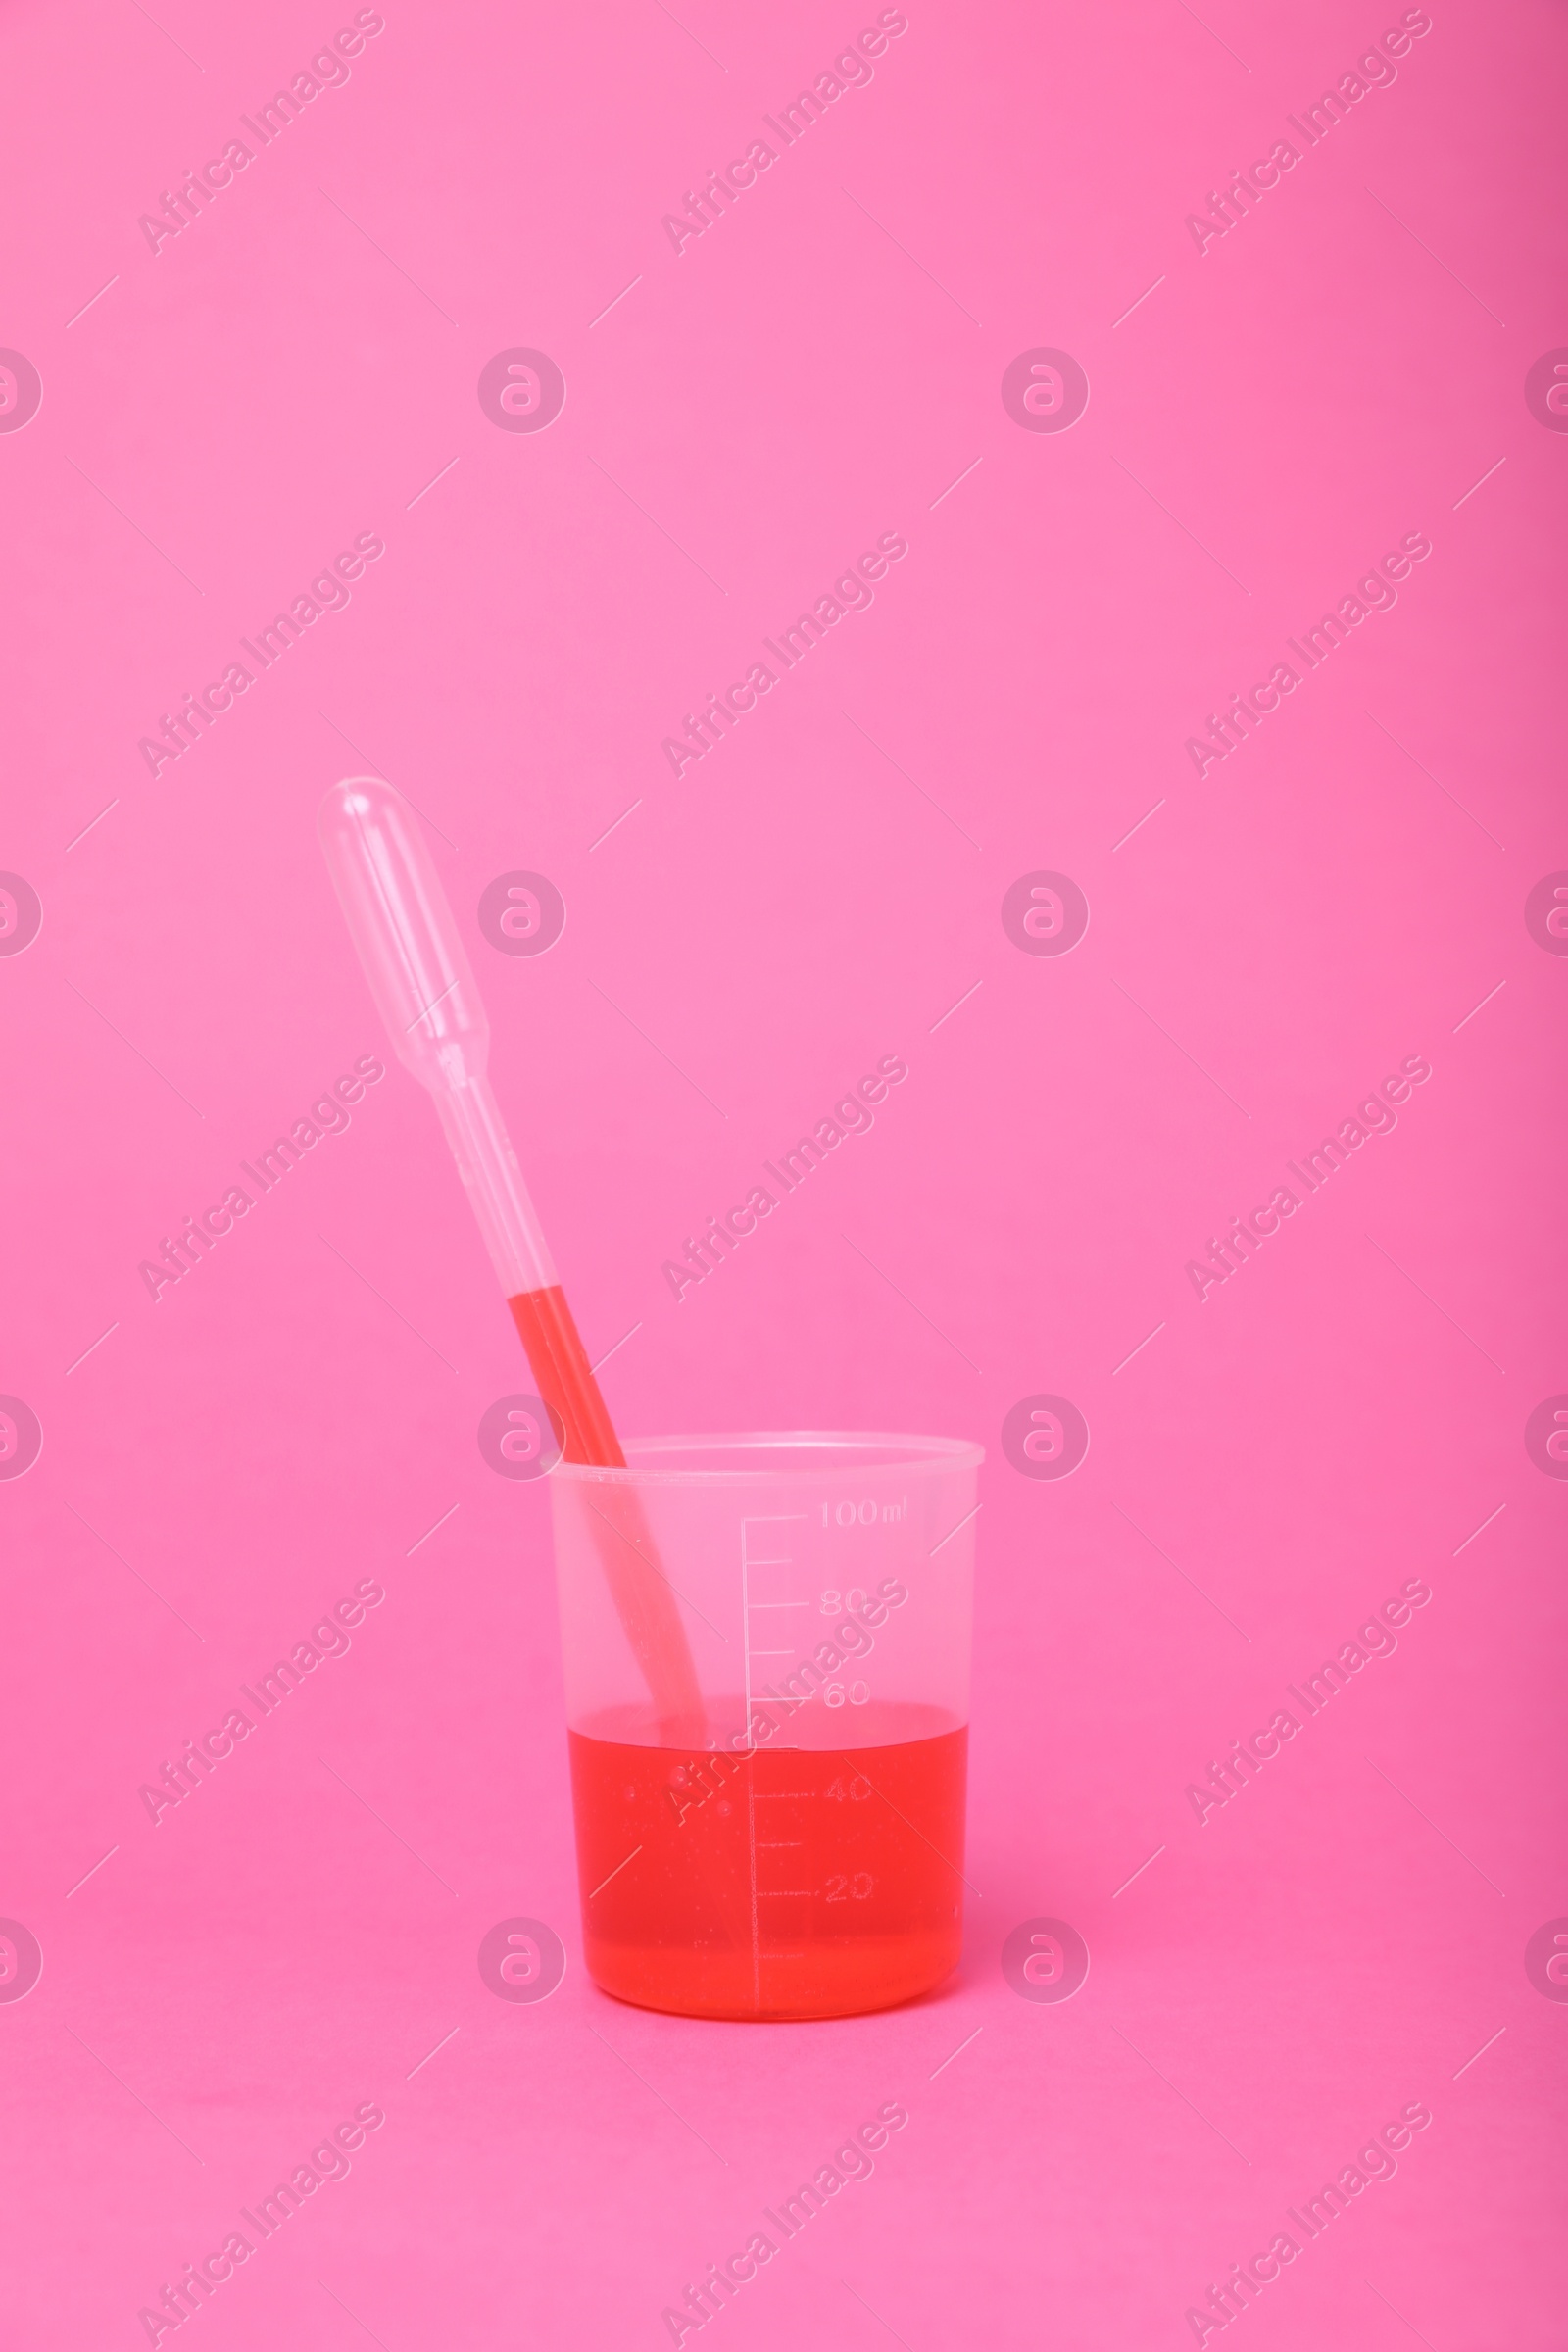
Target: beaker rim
<point x="819" y="1452"/>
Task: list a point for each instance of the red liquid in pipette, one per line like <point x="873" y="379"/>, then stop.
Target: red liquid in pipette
<point x="805" y="1881"/>
<point x="566" y="1384"/>
<point x="642" y="1593"/>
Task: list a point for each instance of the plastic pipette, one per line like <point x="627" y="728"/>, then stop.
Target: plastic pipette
<point x="425" y="991"/>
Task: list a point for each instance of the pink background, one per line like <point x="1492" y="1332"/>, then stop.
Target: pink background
<point x="297" y="367"/>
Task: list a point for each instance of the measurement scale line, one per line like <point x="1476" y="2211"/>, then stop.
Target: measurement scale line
<point x="751" y="1718"/>
<point x="757" y="1519"/>
<point x="751" y="1834"/>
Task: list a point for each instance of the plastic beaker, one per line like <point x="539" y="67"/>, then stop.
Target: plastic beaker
<point x="802" y="1855"/>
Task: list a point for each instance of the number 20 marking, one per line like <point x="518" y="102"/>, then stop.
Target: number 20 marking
<point x="840" y="1887"/>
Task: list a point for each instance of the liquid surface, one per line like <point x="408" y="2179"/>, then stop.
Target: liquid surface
<point x="813" y="1880"/>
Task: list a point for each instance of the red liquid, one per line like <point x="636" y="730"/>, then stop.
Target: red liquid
<point x="784" y="1883"/>
<point x="641" y="1591"/>
<point x="559" y="1362"/>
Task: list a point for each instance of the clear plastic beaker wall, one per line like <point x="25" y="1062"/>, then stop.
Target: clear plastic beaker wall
<point x="798" y="1851"/>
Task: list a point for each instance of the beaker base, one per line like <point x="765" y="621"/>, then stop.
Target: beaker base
<point x="725" y="1988"/>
